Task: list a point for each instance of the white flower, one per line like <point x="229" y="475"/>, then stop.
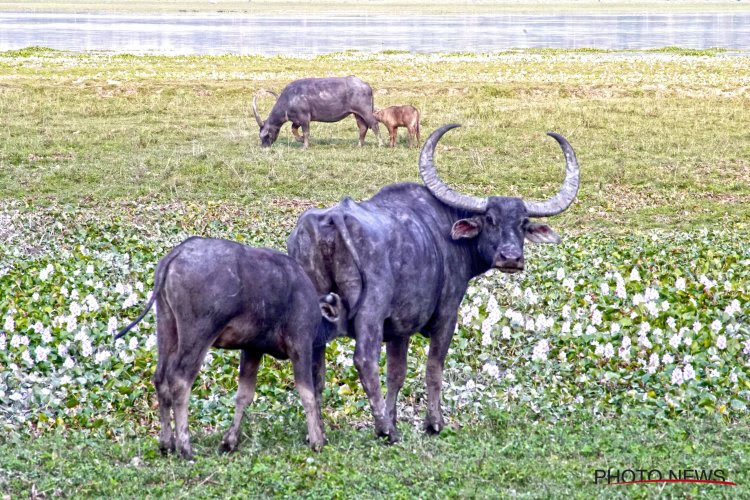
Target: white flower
<point x="577" y="330"/>
<point x="91" y="303"/>
<point x="101" y="357"/>
<point x="721" y="342"/>
<point x="62" y="350"/>
<point x="566" y="311"/>
<point x="44" y="273"/>
<point x="614" y="328"/>
<point x="667" y="359"/>
<point x="565" y="327"/>
<point x="638" y="299"/>
<point x="65" y="380"/>
<point x="505" y="332"/>
<point x="688" y="341"/>
<point x="651" y="294"/>
<point x="716" y="326"/>
<point x="679" y="284"/>
<point x="486" y="338"/>
<point x="560" y="274"/>
<point x="541" y="350"/>
<point x="150" y="342"/>
<point x="590" y="330"/>
<point x="530" y="296"/>
<point x="569" y="284"/>
<point x="133" y="343"/>
<point x="677" y="378"/>
<point x="596" y="318"/>
<point x="733" y="377"/>
<point x="131" y="300"/>
<point x="491" y="369"/>
<point x="712" y="373"/>
<point x="90" y="269"/>
<point x="470" y="385"/>
<point x="644" y="341"/>
<point x="35" y="297"/>
<point x="604" y="287"/>
<point x="665" y="305"/>
<point x="63" y="291"/>
<point x="86" y="348"/>
<point x="620" y="290"/>
<point x="688" y="373"/>
<point x="609" y="351"/>
<point x="653" y="363"/>
<point x="697" y="326"/>
<point x="732" y="308"/>
<point x="671" y="323"/>
<point x="27" y="358"/>
<point x="10" y="324"/>
<point x="634" y="276"/>
<point x="40" y="353"/>
<point x="2" y="342"/>
<point x="675" y="340"/>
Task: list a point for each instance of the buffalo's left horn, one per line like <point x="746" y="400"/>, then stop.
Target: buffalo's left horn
<point x="255" y="111"/>
<point x="438" y="188"/>
<point x="562" y="200"/>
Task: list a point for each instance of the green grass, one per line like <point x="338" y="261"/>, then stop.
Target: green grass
<point x="662" y="139"/>
<point x="510" y="455"/>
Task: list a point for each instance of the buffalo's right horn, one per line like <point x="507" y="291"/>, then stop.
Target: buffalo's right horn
<point x="438" y="188"/>
<point x="562" y="200"/>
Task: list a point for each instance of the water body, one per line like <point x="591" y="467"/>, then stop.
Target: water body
<point x="299" y="35"/>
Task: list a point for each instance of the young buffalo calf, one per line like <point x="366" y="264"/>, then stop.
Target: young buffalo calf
<point x="219" y="293"/>
<point x="400" y="116"/>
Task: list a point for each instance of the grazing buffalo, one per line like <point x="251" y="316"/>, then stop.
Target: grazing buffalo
<point x="402" y="261"/>
<point x="220" y="293"/>
<point x="318" y="100"/>
<point x="394" y="117"/>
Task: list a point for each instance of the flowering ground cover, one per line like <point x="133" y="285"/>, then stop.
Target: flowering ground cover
<point x="627" y="345"/>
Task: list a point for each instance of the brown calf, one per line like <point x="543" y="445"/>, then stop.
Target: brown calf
<point x="394" y="117"/>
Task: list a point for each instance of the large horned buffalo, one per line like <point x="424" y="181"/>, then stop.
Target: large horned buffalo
<point x="318" y="100"/>
<point x="402" y="261"/>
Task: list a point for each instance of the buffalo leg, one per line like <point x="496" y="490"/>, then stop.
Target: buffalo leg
<point x="249" y="364"/>
<point x="182" y="372"/>
<point x="319" y="372"/>
<point x="166" y="339"/>
<point x="393" y="132"/>
<point x="362" y="125"/>
<point x="306" y="134"/>
<point x="295" y="132"/>
<point x="303" y="379"/>
<point x="439" y="344"/>
<point x="369" y="335"/>
<point x="376" y="130"/>
<point x="396" y="351"/>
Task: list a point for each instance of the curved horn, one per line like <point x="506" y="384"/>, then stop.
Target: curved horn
<point x="437" y="187"/>
<point x="255" y="111"/>
<point x="562" y="200"/>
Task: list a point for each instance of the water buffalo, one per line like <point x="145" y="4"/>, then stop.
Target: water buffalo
<point x="318" y="100"/>
<point x="219" y="293"/>
<point x="402" y="261"/>
<point x="394" y="117"/>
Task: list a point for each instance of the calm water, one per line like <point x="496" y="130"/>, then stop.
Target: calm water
<point x="236" y="34"/>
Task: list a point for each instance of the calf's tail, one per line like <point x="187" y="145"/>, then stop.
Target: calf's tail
<point x="161" y="272"/>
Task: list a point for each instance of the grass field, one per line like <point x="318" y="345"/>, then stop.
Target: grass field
<point x="625" y="347"/>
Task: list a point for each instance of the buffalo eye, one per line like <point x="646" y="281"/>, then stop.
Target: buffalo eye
<point x="489" y="219"/>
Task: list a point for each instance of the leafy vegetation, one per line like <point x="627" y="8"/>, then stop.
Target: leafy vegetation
<point x="627" y="345"/>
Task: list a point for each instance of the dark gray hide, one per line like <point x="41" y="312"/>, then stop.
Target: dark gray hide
<point x="402" y="261"/>
<point x="220" y="293"/>
<point x="319" y="100"/>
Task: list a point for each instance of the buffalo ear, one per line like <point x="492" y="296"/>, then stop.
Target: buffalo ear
<point x="466" y="228"/>
<point x="332" y="307"/>
<point x="541" y="233"/>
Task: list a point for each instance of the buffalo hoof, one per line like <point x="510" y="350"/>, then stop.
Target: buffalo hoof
<point x="433" y="426"/>
<point x="166" y="448"/>
<point x="316" y="444"/>
<point x="227" y="447"/>
<point x="185" y="452"/>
